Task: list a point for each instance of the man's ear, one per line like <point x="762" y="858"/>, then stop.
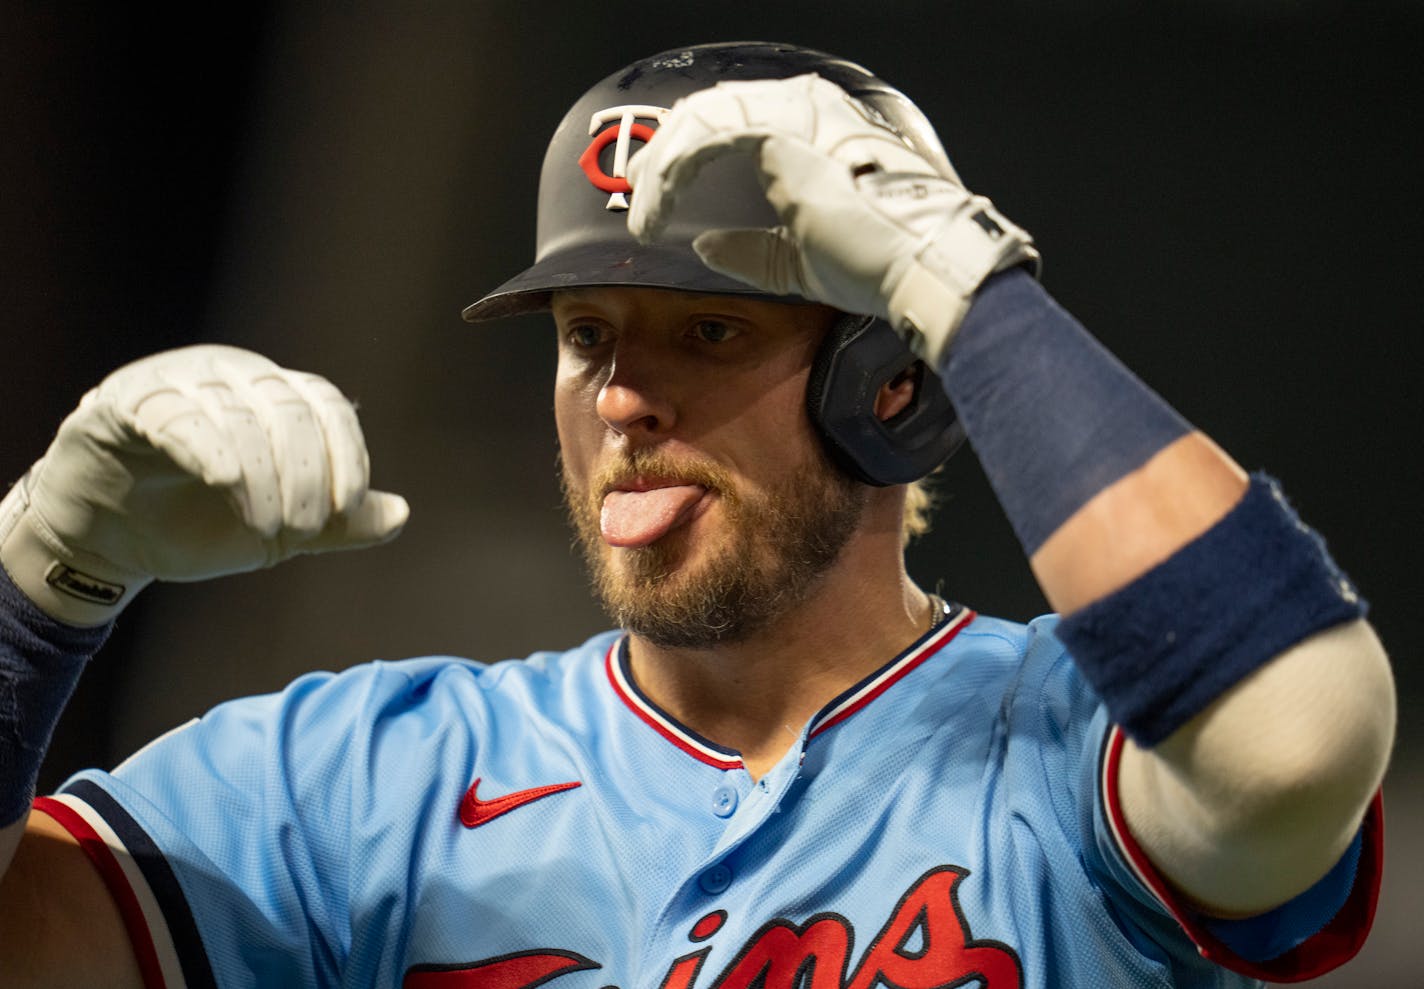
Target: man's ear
<point x="897" y="393"/>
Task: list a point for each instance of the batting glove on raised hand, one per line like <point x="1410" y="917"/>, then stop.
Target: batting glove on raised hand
<point x="189" y="464"/>
<point x="869" y="225"/>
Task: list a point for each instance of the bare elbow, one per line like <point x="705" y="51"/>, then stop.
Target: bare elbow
<point x="1304" y="743"/>
<point x="1258" y="796"/>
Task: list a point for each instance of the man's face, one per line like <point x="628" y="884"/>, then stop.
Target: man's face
<point x="700" y="494"/>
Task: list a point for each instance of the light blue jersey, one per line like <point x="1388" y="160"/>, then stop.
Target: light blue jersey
<point x="441" y="824"/>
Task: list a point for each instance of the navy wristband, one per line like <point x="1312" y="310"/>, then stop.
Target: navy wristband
<point x="40" y="663"/>
<point x="1161" y="649"/>
<point x="1053" y="417"/>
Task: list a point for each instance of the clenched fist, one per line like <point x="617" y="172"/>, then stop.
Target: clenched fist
<point x="188" y="464"/>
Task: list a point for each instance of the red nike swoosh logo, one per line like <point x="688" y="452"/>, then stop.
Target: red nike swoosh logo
<point x="523" y="970"/>
<point x="474" y="811"/>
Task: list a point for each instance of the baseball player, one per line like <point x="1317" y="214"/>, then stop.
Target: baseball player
<point x="789" y="767"/>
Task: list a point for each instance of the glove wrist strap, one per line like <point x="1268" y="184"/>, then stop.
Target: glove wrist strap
<point x="65" y="588"/>
<point x="933" y="294"/>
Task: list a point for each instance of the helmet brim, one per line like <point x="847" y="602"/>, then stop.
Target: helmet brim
<point x="668" y="266"/>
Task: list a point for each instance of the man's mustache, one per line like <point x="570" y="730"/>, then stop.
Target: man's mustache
<point x="651" y="467"/>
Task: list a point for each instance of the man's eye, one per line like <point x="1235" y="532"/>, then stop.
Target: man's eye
<point x="585" y="335"/>
<point x="712" y="330"/>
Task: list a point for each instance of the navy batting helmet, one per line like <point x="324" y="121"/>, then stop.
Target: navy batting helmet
<point x="583" y="240"/>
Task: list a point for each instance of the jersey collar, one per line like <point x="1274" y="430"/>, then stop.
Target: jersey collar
<point x="840" y="708"/>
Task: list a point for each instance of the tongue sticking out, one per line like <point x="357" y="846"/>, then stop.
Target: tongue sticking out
<point x="637" y="518"/>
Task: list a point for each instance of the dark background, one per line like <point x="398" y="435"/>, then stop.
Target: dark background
<point x="1226" y="193"/>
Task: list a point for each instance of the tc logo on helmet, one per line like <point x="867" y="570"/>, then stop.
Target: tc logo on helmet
<point x="623" y="133"/>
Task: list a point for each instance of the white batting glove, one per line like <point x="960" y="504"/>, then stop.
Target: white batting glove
<point x="189" y="464"/>
<point x="869" y="226"/>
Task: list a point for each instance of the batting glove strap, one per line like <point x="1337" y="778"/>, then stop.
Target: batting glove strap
<point x="934" y="292"/>
<point x="1161" y="649"/>
<point x="76" y="588"/>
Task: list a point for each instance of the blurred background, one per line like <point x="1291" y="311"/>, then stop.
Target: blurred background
<point x="1227" y="193"/>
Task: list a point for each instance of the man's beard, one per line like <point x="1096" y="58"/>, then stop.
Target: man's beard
<point x="781" y="542"/>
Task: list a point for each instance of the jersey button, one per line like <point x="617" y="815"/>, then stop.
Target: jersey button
<point x="715" y="880"/>
<point x="724" y="801"/>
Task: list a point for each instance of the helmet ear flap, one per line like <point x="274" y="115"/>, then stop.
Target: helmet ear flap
<point x="859" y="355"/>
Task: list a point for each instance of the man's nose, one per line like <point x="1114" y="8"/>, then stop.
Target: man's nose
<point x="636" y="397"/>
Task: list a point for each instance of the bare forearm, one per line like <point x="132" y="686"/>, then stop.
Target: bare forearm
<point x="1137" y="522"/>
